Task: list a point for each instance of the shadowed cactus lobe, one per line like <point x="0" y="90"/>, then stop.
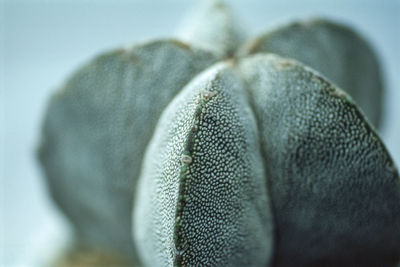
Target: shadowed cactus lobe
<point x="97" y="128"/>
<point x="329" y="174"/>
<point x="213" y="151"/>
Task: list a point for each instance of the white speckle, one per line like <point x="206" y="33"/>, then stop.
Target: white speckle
<point x="179" y="252"/>
<point x="186" y="159"/>
<point x="206" y="95"/>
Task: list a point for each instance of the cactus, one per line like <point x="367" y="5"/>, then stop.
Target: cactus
<point x="209" y="150"/>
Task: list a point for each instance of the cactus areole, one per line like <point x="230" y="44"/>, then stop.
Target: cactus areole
<point x="210" y="150"/>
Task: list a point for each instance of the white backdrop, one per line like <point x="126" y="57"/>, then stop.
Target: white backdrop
<point x="42" y="42"/>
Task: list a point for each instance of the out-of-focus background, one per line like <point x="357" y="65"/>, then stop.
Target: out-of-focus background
<point x="43" y="41"/>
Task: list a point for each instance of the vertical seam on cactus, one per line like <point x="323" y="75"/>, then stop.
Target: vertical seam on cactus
<point x="250" y="100"/>
<point x="181" y="246"/>
<point x="186" y="160"/>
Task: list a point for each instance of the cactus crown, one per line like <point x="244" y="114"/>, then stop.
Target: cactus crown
<point x="216" y="151"/>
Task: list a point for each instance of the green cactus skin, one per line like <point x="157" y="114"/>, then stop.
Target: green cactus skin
<point x="202" y="198"/>
<point x="259" y="161"/>
<point x="334" y="50"/>
<point x="213" y="26"/>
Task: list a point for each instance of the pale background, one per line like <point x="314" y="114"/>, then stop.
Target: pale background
<point x="42" y="42"/>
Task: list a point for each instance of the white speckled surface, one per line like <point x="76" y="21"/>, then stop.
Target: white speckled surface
<point x="43" y="42"/>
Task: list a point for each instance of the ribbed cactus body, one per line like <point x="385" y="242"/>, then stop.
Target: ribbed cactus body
<point x="212" y="153"/>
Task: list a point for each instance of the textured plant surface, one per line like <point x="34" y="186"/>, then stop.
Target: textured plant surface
<point x="210" y="150"/>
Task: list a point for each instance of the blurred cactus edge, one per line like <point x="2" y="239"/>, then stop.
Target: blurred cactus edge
<point x="212" y="149"/>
